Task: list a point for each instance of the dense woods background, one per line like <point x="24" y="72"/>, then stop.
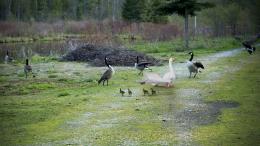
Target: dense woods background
<point x="45" y="17"/>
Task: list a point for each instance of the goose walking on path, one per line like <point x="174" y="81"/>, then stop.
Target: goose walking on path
<point x="27" y="68"/>
<point x="141" y="66"/>
<point x="156" y="80"/>
<point x="107" y="74"/>
<point x="193" y="67"/>
<point x="248" y="47"/>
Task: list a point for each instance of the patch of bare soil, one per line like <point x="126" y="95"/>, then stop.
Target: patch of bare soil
<point x="194" y="112"/>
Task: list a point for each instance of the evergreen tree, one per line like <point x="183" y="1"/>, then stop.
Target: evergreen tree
<point x="133" y="10"/>
<point x="150" y="13"/>
<point x="184" y="8"/>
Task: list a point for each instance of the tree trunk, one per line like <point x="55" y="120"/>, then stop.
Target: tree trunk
<point x="186" y="31"/>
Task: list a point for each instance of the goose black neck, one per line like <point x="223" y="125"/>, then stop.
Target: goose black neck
<point x="137" y="59"/>
<point x="191" y="56"/>
<point x="27" y="62"/>
<point x="106" y="62"/>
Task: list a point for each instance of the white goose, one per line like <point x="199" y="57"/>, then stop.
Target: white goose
<point x="156" y="80"/>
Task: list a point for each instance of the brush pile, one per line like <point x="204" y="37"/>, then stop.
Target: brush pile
<point x="95" y="55"/>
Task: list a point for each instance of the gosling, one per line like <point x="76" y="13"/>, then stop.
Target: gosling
<point x="129" y="92"/>
<point x="122" y="92"/>
<point x="153" y="91"/>
<point x="145" y="92"/>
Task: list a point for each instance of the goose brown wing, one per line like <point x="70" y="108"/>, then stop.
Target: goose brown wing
<point x="198" y="65"/>
<point x="28" y="67"/>
<point x="107" y="74"/>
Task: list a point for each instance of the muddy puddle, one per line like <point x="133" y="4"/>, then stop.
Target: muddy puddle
<point x="195" y="112"/>
<point x="185" y="110"/>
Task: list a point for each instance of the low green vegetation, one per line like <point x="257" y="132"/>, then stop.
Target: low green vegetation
<point x="238" y="126"/>
<point x="63" y="105"/>
<point x="201" y="46"/>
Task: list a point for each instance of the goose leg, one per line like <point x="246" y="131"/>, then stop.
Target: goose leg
<point x="195" y="75"/>
<point x="107" y="82"/>
<point x="190" y="75"/>
<point x="103" y="82"/>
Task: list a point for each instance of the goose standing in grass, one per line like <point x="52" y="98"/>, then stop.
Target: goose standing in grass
<point x="248" y="47"/>
<point x="156" y="80"/>
<point x="27" y="68"/>
<point x="7" y="57"/>
<point x="141" y="66"/>
<point x="193" y="67"/>
<point x="107" y="74"/>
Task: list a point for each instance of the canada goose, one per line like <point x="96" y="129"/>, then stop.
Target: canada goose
<point x="107" y="74"/>
<point x="121" y="92"/>
<point x="193" y="66"/>
<point x="141" y="66"/>
<point x="145" y="92"/>
<point x="153" y="91"/>
<point x="156" y="80"/>
<point x="27" y="68"/>
<point x="248" y="47"/>
<point x="7" y="57"/>
<point x="129" y="92"/>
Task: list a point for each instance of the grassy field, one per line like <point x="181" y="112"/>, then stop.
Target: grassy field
<point x="63" y="105"/>
<point x="238" y="126"/>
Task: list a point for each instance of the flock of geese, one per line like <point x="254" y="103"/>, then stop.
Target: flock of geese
<point x="152" y="78"/>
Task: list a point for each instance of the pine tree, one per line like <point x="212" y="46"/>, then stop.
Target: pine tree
<point x="133" y="10"/>
<point x="184" y="8"/>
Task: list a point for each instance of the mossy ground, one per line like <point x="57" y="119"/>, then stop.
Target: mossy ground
<point x="64" y="105"/>
<point x="238" y="126"/>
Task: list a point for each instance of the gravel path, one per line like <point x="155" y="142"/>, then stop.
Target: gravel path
<point x="194" y="110"/>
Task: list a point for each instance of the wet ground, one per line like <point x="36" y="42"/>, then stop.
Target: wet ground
<point x="130" y="120"/>
<point x="185" y="111"/>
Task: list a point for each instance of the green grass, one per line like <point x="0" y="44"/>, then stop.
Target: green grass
<point x="201" y="46"/>
<point x="64" y="106"/>
<point x="239" y="126"/>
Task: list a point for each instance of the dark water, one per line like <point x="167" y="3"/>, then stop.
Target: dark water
<point x="20" y="51"/>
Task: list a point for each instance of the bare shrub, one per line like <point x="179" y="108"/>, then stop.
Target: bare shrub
<point x="97" y="31"/>
<point x="160" y="32"/>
